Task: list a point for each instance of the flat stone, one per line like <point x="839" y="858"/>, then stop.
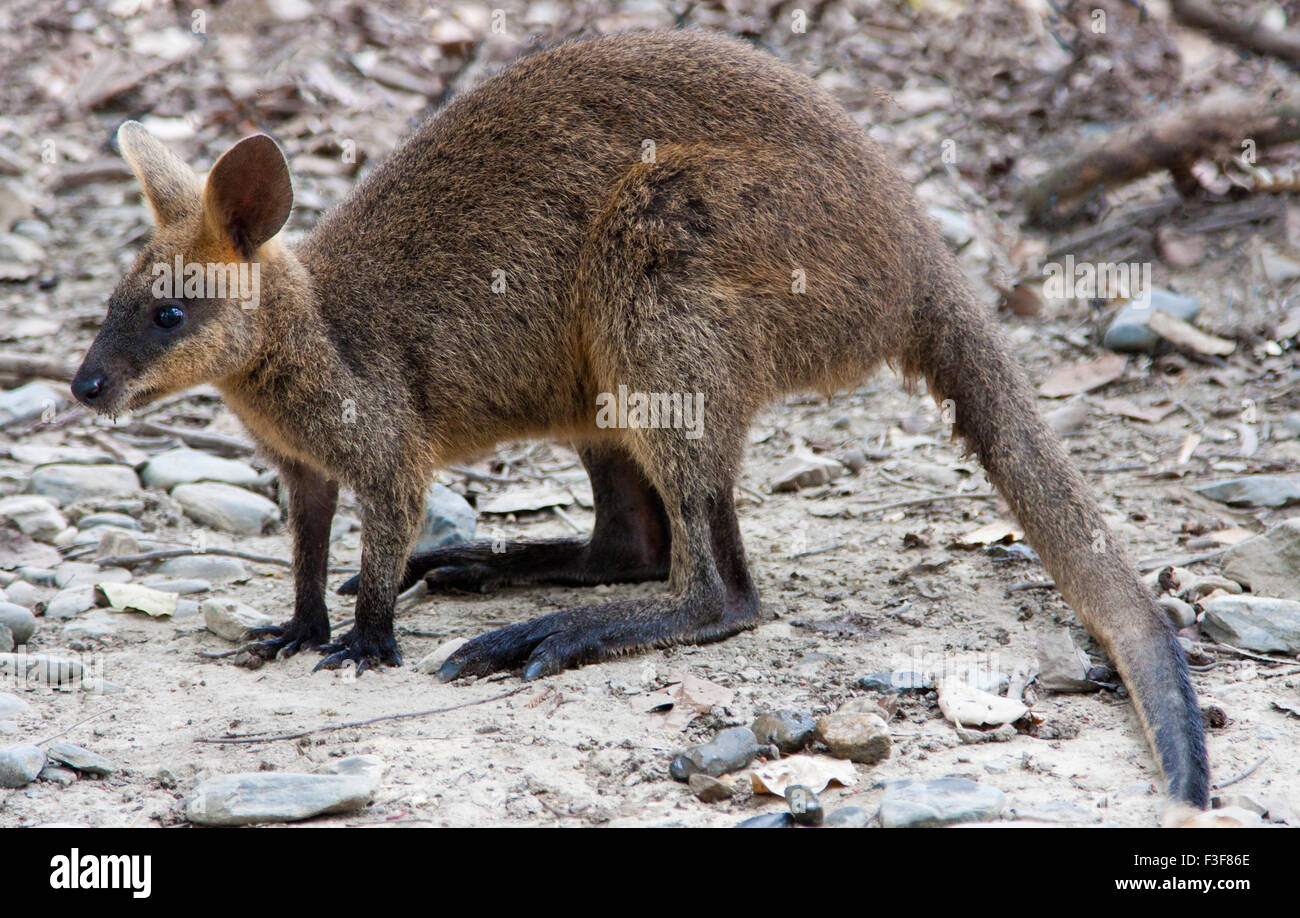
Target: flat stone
<point x="903" y="681"/>
<point x="68" y="484"/>
<point x="266" y="797"/>
<point x="187" y="466"/>
<point x="805" y="469"/>
<point x="857" y="737"/>
<point x="448" y="519"/>
<point x="35" y="516"/>
<point x="786" y="730"/>
<point x="1253" y="491"/>
<point x="20" y="764"/>
<point x="1268" y="563"/>
<point x="227" y="508"/>
<point x="212" y="568"/>
<point x="79" y="574"/>
<point x="848" y="817"/>
<point x="82" y="760"/>
<point x="19" y="621"/>
<point x="1258" y="623"/>
<point x="116" y="520"/>
<point x="938" y="803"/>
<point x="71" y="602"/>
<point x="229" y="619"/>
<point x="1129" y="332"/>
<point x="782" y="820"/>
<point x="28" y="401"/>
<point x="55" y="774"/>
<point x="709" y="790"/>
<point x="181" y="587"/>
<point x="12" y="706"/>
<point x="22" y="593"/>
<point x="731" y="750"/>
<point x="37" y="454"/>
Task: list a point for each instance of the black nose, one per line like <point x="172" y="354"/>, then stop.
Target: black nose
<point x="88" y="388"/>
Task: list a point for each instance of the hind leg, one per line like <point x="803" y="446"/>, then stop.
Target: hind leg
<point x="629" y="542"/>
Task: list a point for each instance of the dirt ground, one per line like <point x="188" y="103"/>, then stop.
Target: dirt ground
<point x="847" y="591"/>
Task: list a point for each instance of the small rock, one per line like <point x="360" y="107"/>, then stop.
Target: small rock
<point x="70" y="602"/>
<point x="230" y="619"/>
<point x="82" y="760"/>
<point x="116" y="520"/>
<point x="22" y="593"/>
<point x="1268" y="563"/>
<point x="805" y="469"/>
<point x="38" y="454"/>
<point x="87" y="629"/>
<point x="64" y="777"/>
<point x="786" y="730"/>
<point x="20" y="764"/>
<point x="857" y="737"/>
<point x="68" y="484"/>
<point x="181" y="587"/>
<point x="1129" y="332"/>
<point x="34" y="516"/>
<point x="782" y="820"/>
<point x="448" y="519"/>
<point x="80" y="574"/>
<point x="433" y="661"/>
<point x="187" y="466"/>
<point x="731" y="750"/>
<point x="804" y="806"/>
<point x="28" y="401"/>
<point x="1062" y="667"/>
<point x="1257" y="623"/>
<point x="904" y="681"/>
<point x="709" y="790"/>
<point x="1253" y="491"/>
<point x="938" y="803"/>
<point x="213" y="568"/>
<point x="12" y="706"/>
<point x="227" y="508"/>
<point x="19" y="621"/>
<point x="114" y="543"/>
<point x="848" y="817"/>
<point x="363" y="765"/>
<point x="245" y="799"/>
<point x="1181" y="614"/>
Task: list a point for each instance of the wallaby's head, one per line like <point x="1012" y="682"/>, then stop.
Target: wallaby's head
<point x="188" y="310"/>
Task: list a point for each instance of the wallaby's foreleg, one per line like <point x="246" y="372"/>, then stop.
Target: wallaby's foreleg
<point x="713" y="599"/>
<point x="312" y="499"/>
<point x="629" y="541"/>
<point x="388" y="525"/>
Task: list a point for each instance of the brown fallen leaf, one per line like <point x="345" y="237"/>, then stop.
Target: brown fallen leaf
<point x="812" y="771"/>
<point x="1083" y="377"/>
<point x="685" y="697"/>
<point x="1130" y="409"/>
<point x="1188" y="337"/>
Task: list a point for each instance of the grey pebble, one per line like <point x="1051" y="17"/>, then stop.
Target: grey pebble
<point x="938" y="803"/>
<point x="787" y="730"/>
<point x="244" y="799"/>
<point x="848" y="817"/>
<point x="709" y="790"/>
<point x="82" y="760"/>
<point x="20" y="764"/>
<point x="804" y="806"/>
<point x="68" y="484"/>
<point x="730" y="750"/>
<point x="1257" y="623"/>
<point x="782" y="820"/>
<point x="19" y="621"/>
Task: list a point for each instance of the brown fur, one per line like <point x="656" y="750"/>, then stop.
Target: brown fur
<point x="381" y="352"/>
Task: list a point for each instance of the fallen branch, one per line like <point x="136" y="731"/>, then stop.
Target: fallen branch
<point x="256" y="738"/>
<point x="1243" y="776"/>
<point x="1175" y="143"/>
<point x="1253" y="36"/>
<point x="198" y="439"/>
<point x="27" y="365"/>
<point x="165" y="553"/>
<point x="1151" y="564"/>
<point x="936" y="498"/>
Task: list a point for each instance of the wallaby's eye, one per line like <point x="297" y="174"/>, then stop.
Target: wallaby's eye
<point x="169" y="316"/>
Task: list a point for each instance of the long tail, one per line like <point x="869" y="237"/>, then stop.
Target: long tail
<point x="957" y="348"/>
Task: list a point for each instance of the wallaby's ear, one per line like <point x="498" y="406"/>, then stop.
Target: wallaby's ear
<point x="170" y="185"/>
<point x="248" y="195"/>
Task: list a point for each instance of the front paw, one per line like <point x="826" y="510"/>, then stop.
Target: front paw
<point x="287" y="639"/>
<point x="543" y="647"/>
<point x="365" y="651"/>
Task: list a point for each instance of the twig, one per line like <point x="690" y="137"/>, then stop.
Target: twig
<point x="817" y="551"/>
<point x="28" y="365"/>
<point x="568" y="520"/>
<point x="165" y="553"/>
<point x="1151" y="564"/>
<point x="1253" y="36"/>
<point x="232" y="740"/>
<point x="1031" y="585"/>
<point x="921" y="501"/>
<point x="73" y="727"/>
<point x="198" y="439"/>
<point x="1251" y="656"/>
<point x="1241" y="777"/>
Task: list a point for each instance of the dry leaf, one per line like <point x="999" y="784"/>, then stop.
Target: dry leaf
<point x="1130" y="409"/>
<point x="997" y="531"/>
<point x="686" y="697"/>
<point x="131" y="597"/>
<point x="814" y="772"/>
<point x="1085" y="376"/>
<point x="971" y="707"/>
<point x="1187" y="336"/>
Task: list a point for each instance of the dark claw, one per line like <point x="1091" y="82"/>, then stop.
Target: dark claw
<point x="349" y="587"/>
<point x="449" y="671"/>
<point x="283" y="640"/>
<point x="365" y="653"/>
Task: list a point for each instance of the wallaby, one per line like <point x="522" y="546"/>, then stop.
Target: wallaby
<point x="674" y="213"/>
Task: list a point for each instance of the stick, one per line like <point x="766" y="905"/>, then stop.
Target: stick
<point x="165" y="553"/>
<point x="1252" y="656"/>
<point x="1243" y="776"/>
<point x="1252" y="36"/>
<point x="921" y="501"/>
<point x="30" y="365"/>
<point x="1151" y="564"/>
<point x="231" y="740"/>
<point x="73" y="727"/>
<point x="199" y="439"/>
